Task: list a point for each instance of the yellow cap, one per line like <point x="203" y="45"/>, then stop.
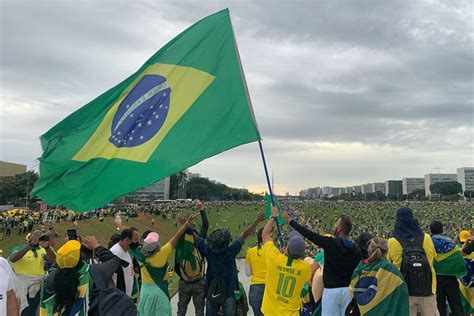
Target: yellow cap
<point x="69" y="254"/>
<point x="464" y="235"/>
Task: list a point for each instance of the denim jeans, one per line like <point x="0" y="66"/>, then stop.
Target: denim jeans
<point x="228" y="308"/>
<point x="335" y="301"/>
<point x="187" y="291"/>
<point x="256" y="297"/>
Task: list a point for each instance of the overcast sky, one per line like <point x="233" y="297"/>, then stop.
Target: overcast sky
<point x="345" y="92"/>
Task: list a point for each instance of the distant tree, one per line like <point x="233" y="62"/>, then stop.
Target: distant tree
<point x="202" y="188"/>
<point x="469" y="193"/>
<point x="15" y="190"/>
<point x="417" y="194"/>
<point x="446" y="188"/>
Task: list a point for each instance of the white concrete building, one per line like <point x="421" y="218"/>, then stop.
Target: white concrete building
<point x="432" y="178"/>
<point x="378" y="187"/>
<point x="357" y="189"/>
<point x="411" y="184"/>
<point x="367" y="188"/>
<point x="393" y="187"/>
<point x="465" y="176"/>
<point x="327" y="191"/>
<point x="314" y="193"/>
<point x="159" y="190"/>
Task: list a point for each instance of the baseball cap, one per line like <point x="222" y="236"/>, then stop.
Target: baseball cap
<point x="295" y="245"/>
<point x="464" y="235"/>
<point x="69" y="254"/>
<point x="38" y="233"/>
<point x="150" y="243"/>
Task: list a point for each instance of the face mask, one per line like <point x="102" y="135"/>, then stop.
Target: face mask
<point x="134" y="245"/>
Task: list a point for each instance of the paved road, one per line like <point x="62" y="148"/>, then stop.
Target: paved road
<point x="242" y="278"/>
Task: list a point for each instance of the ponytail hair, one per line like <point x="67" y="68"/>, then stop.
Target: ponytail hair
<point x="377" y="249"/>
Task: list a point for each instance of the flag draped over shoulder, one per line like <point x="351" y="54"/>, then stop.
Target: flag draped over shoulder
<point x="268" y="209"/>
<point x="448" y="260"/>
<point x="467" y="298"/>
<point x="185" y="248"/>
<point x="379" y="289"/>
<point x="188" y="102"/>
<point x="466" y="286"/>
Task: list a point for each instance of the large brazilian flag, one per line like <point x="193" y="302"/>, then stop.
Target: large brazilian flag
<point x="379" y="289"/>
<point x="188" y="102"/>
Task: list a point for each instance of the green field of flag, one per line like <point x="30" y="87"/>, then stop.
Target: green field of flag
<point x="188" y="102"/>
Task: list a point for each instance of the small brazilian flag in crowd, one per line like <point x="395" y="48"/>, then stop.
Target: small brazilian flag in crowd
<point x="448" y="260"/>
<point x="268" y="209"/>
<point x="188" y="102"/>
<point x="379" y="289"/>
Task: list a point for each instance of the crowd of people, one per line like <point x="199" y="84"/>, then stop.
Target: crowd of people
<point x="415" y="268"/>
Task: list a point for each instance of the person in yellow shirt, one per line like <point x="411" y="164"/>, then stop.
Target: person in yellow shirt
<point x="465" y="237"/>
<point x="154" y="295"/>
<point x="28" y="262"/>
<point x="256" y="267"/>
<point x="408" y="240"/>
<point x="287" y="273"/>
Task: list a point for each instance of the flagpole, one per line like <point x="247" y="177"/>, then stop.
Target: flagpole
<point x="280" y="238"/>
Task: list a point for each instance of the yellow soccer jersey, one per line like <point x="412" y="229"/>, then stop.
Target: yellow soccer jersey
<point x="285" y="280"/>
<point x="256" y="259"/>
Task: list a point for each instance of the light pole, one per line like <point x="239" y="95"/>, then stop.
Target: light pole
<point x="28" y="184"/>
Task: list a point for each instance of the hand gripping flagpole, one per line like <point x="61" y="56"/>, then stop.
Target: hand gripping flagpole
<point x="280" y="238"/>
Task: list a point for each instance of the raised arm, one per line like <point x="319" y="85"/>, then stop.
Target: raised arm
<point x="204" y="220"/>
<point x="252" y="226"/>
<point x="109" y="262"/>
<point x="315" y="238"/>
<point x="267" y="230"/>
<point x="174" y="240"/>
<point x="17" y="255"/>
<point x="50" y="255"/>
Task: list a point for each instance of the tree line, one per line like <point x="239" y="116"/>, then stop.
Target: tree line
<point x="205" y="189"/>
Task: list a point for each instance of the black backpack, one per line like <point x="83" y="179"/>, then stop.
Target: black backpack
<point x="415" y="267"/>
<point x="217" y="290"/>
<point x="109" y="301"/>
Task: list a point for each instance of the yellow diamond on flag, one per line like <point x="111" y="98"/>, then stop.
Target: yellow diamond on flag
<point x="186" y="85"/>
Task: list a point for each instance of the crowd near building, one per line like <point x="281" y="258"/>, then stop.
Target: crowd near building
<point x="395" y="187"/>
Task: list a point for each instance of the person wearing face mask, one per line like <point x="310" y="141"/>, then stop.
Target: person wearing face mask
<point x="120" y="249"/>
<point x="341" y="257"/>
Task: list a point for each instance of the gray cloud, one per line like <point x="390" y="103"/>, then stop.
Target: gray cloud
<point x="397" y="75"/>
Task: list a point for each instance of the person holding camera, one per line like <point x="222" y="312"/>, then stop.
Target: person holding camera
<point x="28" y="262"/>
